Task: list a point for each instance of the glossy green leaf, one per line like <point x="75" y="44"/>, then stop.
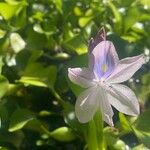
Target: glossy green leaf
<point x="83" y="21"/>
<point x="145" y="2"/>
<point x="19" y="119"/>
<point x="133" y="15"/>
<point x="116" y="13"/>
<point x="143" y="122"/>
<point x="124" y="122"/>
<point x="38" y="75"/>
<point x="1" y="64"/>
<point x="144" y="137"/>
<point x="2" y="33"/>
<point x="63" y="134"/>
<point x="77" y="44"/>
<point x="8" y="11"/>
<point x="32" y="81"/>
<point x="58" y="4"/>
<point x="3" y="86"/>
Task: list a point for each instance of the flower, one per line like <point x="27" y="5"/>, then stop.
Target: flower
<point x="101" y="80"/>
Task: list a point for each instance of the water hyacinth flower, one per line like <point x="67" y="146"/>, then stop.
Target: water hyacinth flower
<point x="102" y="82"/>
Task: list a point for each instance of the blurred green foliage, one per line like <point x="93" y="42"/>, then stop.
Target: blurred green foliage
<point x="39" y="40"/>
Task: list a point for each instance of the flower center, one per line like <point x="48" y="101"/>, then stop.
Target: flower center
<point x="104" y="67"/>
<point x="100" y="82"/>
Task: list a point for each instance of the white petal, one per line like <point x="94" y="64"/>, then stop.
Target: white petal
<point x="125" y="69"/>
<point x="86" y="105"/>
<point x="81" y="76"/>
<point x="105" y="107"/>
<point x="123" y="99"/>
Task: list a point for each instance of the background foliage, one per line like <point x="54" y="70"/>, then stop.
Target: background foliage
<point x="39" y="40"/>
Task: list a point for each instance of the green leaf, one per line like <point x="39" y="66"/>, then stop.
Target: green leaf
<point x="63" y="134"/>
<point x="143" y="122"/>
<point x="2" y="33"/>
<point x="38" y="75"/>
<point x="119" y="145"/>
<point x="145" y="2"/>
<point x="116" y="13"/>
<point x="83" y="21"/>
<point x="124" y="122"/>
<point x="1" y="64"/>
<point x="132" y="16"/>
<point x="8" y="11"/>
<point x="32" y="81"/>
<point x="77" y="44"/>
<point x="139" y="147"/>
<point x="4" y="84"/>
<point x="144" y="137"/>
<point x="19" y="119"/>
<point x="35" y="41"/>
<point x="3" y="148"/>
<point x="58" y="4"/>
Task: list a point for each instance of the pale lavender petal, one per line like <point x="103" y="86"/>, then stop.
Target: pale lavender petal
<point x="105" y="107"/>
<point x="125" y="69"/>
<point x="86" y="105"/>
<point x="105" y="59"/>
<point x="81" y="76"/>
<point x="123" y="99"/>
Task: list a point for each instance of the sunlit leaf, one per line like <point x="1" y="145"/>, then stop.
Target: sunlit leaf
<point x="2" y="33"/>
<point x="19" y="119"/>
<point x="144" y="137"/>
<point x="83" y="21"/>
<point x="132" y="16"/>
<point x="3" y="86"/>
<point x="124" y="123"/>
<point x="143" y="122"/>
<point x="63" y="134"/>
<point x="58" y="4"/>
<point x="116" y="13"/>
<point x="77" y="44"/>
<point x="32" y="81"/>
<point x="38" y="75"/>
<point x="145" y="2"/>
<point x="8" y="11"/>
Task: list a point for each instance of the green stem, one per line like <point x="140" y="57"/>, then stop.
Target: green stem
<point x="95" y="139"/>
<point x="58" y="98"/>
<point x="91" y="136"/>
<point x="99" y="130"/>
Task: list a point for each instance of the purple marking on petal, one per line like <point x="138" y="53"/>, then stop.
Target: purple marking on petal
<point x="104" y="56"/>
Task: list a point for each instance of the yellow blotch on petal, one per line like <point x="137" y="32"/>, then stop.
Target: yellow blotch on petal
<point x="104" y="67"/>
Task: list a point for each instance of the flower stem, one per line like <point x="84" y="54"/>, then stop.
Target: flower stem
<point x="95" y="138"/>
<point x="99" y="130"/>
<point x="92" y="137"/>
